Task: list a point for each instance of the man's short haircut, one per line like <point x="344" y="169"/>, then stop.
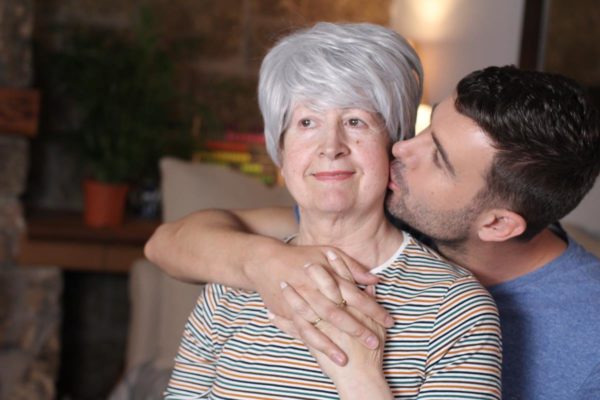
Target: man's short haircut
<point x="340" y="65"/>
<point x="546" y="132"/>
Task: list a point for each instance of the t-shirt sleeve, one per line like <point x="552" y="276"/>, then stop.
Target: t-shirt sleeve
<point x="465" y="349"/>
<point x="194" y="371"/>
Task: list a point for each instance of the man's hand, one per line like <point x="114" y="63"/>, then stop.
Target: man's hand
<point x="322" y="278"/>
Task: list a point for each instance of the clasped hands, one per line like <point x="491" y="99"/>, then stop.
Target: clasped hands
<point x="321" y="304"/>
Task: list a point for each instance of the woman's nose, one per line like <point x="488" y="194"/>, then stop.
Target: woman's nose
<point x="334" y="144"/>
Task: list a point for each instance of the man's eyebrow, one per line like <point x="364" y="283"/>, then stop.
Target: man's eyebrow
<point x="443" y="153"/>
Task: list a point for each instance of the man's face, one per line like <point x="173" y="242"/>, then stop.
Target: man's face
<point x="437" y="176"/>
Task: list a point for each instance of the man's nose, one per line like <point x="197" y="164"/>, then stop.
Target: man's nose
<point x="407" y="151"/>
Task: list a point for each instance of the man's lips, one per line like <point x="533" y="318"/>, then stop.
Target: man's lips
<point x="395" y="176"/>
<point x="392" y="185"/>
<point x="333" y="175"/>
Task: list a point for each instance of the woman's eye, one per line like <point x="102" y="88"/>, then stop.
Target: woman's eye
<point x="355" y="122"/>
<point x="306" y="123"/>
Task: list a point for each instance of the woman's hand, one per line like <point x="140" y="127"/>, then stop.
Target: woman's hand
<point x="321" y="284"/>
<point x="362" y="377"/>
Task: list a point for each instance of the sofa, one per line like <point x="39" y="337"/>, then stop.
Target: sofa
<point x="160" y="305"/>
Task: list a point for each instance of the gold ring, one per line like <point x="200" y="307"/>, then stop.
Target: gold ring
<point x="342" y="303"/>
<point x="316" y="321"/>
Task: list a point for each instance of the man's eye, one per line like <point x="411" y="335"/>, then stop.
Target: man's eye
<point x="436" y="159"/>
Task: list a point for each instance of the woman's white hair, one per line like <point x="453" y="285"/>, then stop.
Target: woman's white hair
<point x="344" y="66"/>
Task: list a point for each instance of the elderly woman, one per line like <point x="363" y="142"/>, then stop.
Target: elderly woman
<point x="334" y="98"/>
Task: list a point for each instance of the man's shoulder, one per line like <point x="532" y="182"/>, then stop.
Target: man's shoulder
<point x="580" y="237"/>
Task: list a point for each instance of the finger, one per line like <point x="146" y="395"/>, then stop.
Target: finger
<point x="370" y="290"/>
<point x="315" y="339"/>
<point x="308" y="332"/>
<point x="338" y="265"/>
<point x="365" y="304"/>
<point x="325" y="282"/>
<point x="284" y="324"/>
<point x="297" y="304"/>
<point x="339" y="317"/>
<point x="360" y="273"/>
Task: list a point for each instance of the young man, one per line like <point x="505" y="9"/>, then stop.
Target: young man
<point x="507" y="155"/>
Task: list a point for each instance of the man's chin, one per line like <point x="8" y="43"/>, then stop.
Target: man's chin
<point x="396" y="220"/>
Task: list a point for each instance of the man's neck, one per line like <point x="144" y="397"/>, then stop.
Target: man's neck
<point x="497" y="262"/>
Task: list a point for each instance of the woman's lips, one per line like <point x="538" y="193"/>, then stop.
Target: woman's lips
<point x="333" y="175"/>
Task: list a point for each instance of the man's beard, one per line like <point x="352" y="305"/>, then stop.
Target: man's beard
<point x="447" y="229"/>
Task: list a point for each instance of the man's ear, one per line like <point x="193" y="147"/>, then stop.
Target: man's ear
<point x="499" y="225"/>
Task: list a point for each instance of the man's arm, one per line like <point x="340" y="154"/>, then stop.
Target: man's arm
<point x="217" y="245"/>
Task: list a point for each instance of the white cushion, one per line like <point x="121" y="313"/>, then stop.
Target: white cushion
<point x="187" y="187"/>
<point x="190" y="186"/>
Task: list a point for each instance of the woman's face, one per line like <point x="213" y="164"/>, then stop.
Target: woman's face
<point x="336" y="160"/>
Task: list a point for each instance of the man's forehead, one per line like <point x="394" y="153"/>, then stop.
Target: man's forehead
<point x="461" y="137"/>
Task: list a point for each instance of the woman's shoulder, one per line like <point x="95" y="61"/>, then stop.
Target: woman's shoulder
<point x="220" y="293"/>
<point x="423" y="271"/>
<point x="421" y="260"/>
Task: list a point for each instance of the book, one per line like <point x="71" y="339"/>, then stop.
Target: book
<point x="235" y="157"/>
<point x="245" y="137"/>
<point x="219" y="145"/>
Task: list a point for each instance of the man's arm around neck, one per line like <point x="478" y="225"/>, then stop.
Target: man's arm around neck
<point x="220" y="246"/>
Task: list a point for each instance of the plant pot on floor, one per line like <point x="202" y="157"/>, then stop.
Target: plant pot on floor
<point x="104" y="203"/>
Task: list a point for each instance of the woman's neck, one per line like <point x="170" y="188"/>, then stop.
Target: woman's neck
<point x="370" y="239"/>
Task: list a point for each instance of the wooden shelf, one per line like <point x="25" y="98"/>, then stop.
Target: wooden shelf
<point x="62" y="239"/>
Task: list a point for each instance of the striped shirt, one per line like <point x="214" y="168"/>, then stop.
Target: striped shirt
<point x="445" y="343"/>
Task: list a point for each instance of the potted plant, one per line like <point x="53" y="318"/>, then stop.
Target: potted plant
<point x="121" y="90"/>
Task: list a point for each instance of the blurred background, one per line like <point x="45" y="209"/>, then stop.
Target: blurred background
<point x="98" y="91"/>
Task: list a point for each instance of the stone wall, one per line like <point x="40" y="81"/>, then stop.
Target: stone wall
<point x="30" y="314"/>
<point x="16" y="22"/>
<point x="29" y="298"/>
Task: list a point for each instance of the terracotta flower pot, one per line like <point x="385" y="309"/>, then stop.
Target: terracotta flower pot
<point x="104" y="203"/>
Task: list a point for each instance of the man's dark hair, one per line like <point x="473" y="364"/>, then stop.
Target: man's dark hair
<point x="546" y="132"/>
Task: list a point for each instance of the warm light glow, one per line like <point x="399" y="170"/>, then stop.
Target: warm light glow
<point x="424" y="20"/>
<point x="430" y="11"/>
<point x="423" y="117"/>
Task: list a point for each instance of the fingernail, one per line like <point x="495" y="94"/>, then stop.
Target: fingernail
<point x="338" y="359"/>
<point x="307" y="265"/>
<point x="331" y="255"/>
<point x="283" y="285"/>
<point x="389" y="321"/>
<point x="270" y="315"/>
<point x="372" y="342"/>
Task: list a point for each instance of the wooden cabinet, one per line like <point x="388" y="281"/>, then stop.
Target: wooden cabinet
<point x="61" y="239"/>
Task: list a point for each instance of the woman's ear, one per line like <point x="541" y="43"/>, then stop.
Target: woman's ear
<point x="280" y="173"/>
<point x="499" y="225"/>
